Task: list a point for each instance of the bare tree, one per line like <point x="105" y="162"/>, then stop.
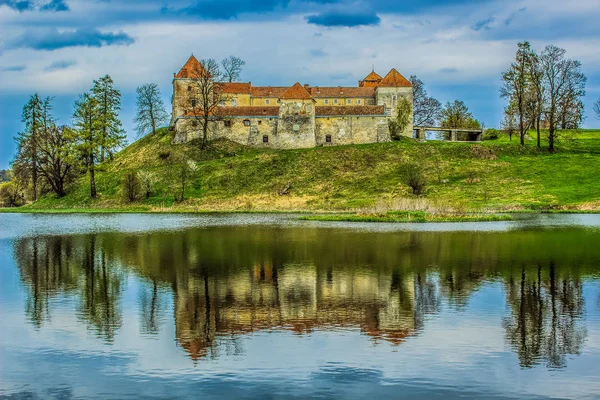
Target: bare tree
<point x="232" y="68"/>
<point x="207" y="94"/>
<point x="509" y="123"/>
<point x="457" y="115"/>
<point x="426" y="110"/>
<point x="150" y="109"/>
<point x="563" y="82"/>
<point x="597" y="108"/>
<point x="536" y="93"/>
<point x="516" y="84"/>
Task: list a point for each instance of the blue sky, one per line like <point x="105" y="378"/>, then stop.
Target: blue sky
<point x="458" y="47"/>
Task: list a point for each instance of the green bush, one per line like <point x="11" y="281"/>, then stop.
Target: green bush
<point x="131" y="186"/>
<point x="413" y="175"/>
<point x="491" y="134"/>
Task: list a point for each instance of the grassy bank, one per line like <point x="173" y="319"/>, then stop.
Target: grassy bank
<point x="494" y="176"/>
<point x="408" y="216"/>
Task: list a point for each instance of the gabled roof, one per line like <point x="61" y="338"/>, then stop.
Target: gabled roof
<point x="191" y="69"/>
<point x="237" y="87"/>
<point x="296" y="92"/>
<point x="395" y="79"/>
<point x="320" y="92"/>
<point x="373" y="76"/>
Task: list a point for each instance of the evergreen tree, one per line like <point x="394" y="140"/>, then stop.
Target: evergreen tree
<point x="88" y="135"/>
<point x="26" y="161"/>
<point x="108" y="102"/>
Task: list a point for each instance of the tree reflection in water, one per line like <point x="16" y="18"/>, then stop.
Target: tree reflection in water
<point x="229" y="281"/>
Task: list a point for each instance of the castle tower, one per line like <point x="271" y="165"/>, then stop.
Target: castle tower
<point x="296" y="123"/>
<point x="182" y="87"/>
<point x="371" y="80"/>
<point x="390" y="90"/>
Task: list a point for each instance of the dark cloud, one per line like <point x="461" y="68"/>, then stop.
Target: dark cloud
<point x="61" y="64"/>
<point x="14" y="68"/>
<point x="28" y="5"/>
<point x="52" y="39"/>
<point x="347" y="19"/>
<point x="18" y="5"/>
<point x="55" y="5"/>
<point x="227" y="9"/>
<point x="483" y="25"/>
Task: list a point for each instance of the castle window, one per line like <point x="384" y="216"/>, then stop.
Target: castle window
<point x="260" y="122"/>
<point x="189" y="88"/>
<point x="328" y="138"/>
<point x="335" y="101"/>
<point x="227" y="123"/>
<point x="394" y="97"/>
<point x="234" y="102"/>
<point x="246" y="122"/>
<point x="358" y="101"/>
<point x="267" y="101"/>
<point x="326" y="101"/>
<point x="194" y="123"/>
<point x="222" y="103"/>
<point x="348" y="101"/>
<point x="265" y="139"/>
<point x="193" y="103"/>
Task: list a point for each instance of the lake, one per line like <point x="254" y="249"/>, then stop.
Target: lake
<point x="266" y="306"/>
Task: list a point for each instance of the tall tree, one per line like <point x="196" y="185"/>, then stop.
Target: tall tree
<point x="597" y="108"/>
<point x="26" y="161"/>
<point x="457" y="115"/>
<point x="536" y="93"/>
<point x="108" y="100"/>
<point x="232" y="68"/>
<point x="207" y="94"/>
<point x="516" y="84"/>
<point x="564" y="83"/>
<point x="426" y="110"/>
<point x="150" y="109"/>
<point x="57" y="157"/>
<point x="509" y="123"/>
<point x="89" y="136"/>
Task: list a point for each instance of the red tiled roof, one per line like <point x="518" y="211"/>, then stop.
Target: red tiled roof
<point x="395" y="79"/>
<point x="248" y="111"/>
<point x="191" y="69"/>
<point x="268" y="91"/>
<point x="342" y="91"/>
<point x="237" y="87"/>
<point x="349" y="110"/>
<point x="373" y="76"/>
<point x="243" y="111"/>
<point x="296" y="92"/>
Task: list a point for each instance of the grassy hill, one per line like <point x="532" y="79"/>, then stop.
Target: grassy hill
<point x="492" y="175"/>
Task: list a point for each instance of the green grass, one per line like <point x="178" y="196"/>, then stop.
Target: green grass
<point x="408" y="216"/>
<point x="492" y="176"/>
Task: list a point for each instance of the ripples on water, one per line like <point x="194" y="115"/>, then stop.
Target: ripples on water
<point x="159" y="306"/>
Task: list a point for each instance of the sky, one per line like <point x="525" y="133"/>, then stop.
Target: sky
<point x="457" y="47"/>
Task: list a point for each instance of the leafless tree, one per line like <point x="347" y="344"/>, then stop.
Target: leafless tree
<point x="564" y="83"/>
<point x="207" y="94"/>
<point x="509" y="123"/>
<point x="426" y="110"/>
<point x="150" y="109"/>
<point x="232" y="68"/>
<point x="516" y="84"/>
<point x="536" y="93"/>
<point x="597" y="108"/>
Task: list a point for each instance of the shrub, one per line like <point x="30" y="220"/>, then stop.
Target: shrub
<point x="147" y="181"/>
<point x="413" y="176"/>
<point x="131" y="186"/>
<point x="11" y="194"/>
<point x="491" y="134"/>
<point x="164" y="155"/>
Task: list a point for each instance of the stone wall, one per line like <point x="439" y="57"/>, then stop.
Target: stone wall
<point x="389" y="96"/>
<point x="351" y="130"/>
<point x="296" y="124"/>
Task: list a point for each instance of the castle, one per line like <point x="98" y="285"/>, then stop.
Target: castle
<point x="298" y="116"/>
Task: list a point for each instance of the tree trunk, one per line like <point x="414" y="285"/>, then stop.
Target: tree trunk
<point x="152" y="120"/>
<point x="205" y="132"/>
<point x="92" y="182"/>
<point x="539" y="143"/>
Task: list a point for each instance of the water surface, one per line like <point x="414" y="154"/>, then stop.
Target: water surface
<point x="265" y="306"/>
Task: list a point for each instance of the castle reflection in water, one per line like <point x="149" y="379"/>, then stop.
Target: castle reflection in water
<point x="231" y="282"/>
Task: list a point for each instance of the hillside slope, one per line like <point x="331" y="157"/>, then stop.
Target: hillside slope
<point x="495" y="175"/>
